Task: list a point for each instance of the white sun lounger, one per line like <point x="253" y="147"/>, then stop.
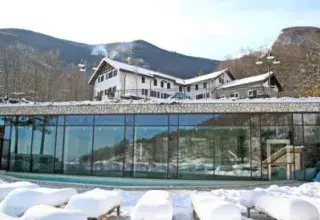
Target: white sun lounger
<point x="155" y="205"/>
<point x="286" y="207"/>
<point x="19" y="200"/>
<point x="43" y="212"/>
<point x="6" y="188"/>
<point x="207" y="207"/>
<point x="96" y="203"/>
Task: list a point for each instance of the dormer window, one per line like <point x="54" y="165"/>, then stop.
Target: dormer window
<point x="143" y="79"/>
<point x="168" y="85"/>
<point x="102" y="78"/>
<point x="196" y="87"/>
<point x="155" y="82"/>
<point x="162" y="84"/>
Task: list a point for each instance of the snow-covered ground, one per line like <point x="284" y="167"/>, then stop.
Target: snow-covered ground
<point x="296" y="200"/>
<point x="168" y="101"/>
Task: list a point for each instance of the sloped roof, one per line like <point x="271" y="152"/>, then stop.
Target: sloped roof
<point x="151" y="73"/>
<point x="247" y="80"/>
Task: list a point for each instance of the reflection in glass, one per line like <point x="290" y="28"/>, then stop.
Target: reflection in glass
<point x="153" y="120"/>
<point x="77" y="150"/>
<point x="79" y="120"/>
<point x="195" y="119"/>
<point x="107" y="151"/>
<point x="196" y="152"/>
<point x="128" y="151"/>
<point x="58" y="166"/>
<point x="151" y="152"/>
<point x="109" y="120"/>
<point x="277" y="149"/>
<point x="232" y="152"/>
<point x="311" y="151"/>
<point x="43" y="149"/>
<point x="173" y="145"/>
<point x="20" y="148"/>
<point x="311" y="119"/>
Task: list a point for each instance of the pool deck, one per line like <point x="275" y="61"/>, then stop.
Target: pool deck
<point x="82" y="182"/>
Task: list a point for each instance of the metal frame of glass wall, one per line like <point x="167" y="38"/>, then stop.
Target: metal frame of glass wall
<point x="253" y="146"/>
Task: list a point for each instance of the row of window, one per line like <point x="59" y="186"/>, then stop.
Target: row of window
<point x="155" y="83"/>
<point x="251" y="94"/>
<point x="108" y="75"/>
<point x="110" y="92"/>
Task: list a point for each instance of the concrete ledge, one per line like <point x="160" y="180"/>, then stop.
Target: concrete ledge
<point x="162" y="108"/>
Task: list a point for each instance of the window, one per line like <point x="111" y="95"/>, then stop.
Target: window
<point x="236" y="94"/>
<point x="252" y="93"/>
<point x="196" y="87"/>
<point x="110" y="75"/>
<point x="144" y="92"/>
<point x="180" y="88"/>
<point x="221" y="79"/>
<point x="204" y="85"/>
<point x="168" y="85"/>
<point x="162" y="84"/>
<point x="98" y="79"/>
<point x="114" y="89"/>
<point x="188" y="88"/>
<point x="115" y="72"/>
<point x="162" y="95"/>
<point x="143" y="79"/>
<point x="158" y="94"/>
<point x="200" y="96"/>
<point x="105" y="92"/>
<point x="155" y="82"/>
<point x="102" y="78"/>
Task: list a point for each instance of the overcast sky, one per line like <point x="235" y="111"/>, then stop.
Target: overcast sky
<point x="205" y="28"/>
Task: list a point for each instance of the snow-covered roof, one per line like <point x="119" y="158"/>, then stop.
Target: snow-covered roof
<point x="247" y="80"/>
<point x="151" y="73"/>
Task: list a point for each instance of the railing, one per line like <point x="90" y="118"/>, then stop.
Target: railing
<point x="147" y="94"/>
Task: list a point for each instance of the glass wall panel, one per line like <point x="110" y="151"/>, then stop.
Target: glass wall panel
<point x="255" y="152"/>
<point x="2" y="127"/>
<point x="311" y="119"/>
<point x="58" y="166"/>
<point x="109" y="120"/>
<point x="77" y="150"/>
<point x="242" y="119"/>
<point x="195" y="119"/>
<point x="297" y="119"/>
<point x="21" y="137"/>
<point x="232" y="152"/>
<point x="278" y="159"/>
<point x="108" y="150"/>
<point x="196" y="150"/>
<point x="173" y="119"/>
<point x="79" y="120"/>
<point x="276" y="119"/>
<point x="151" y="151"/>
<point x="61" y="120"/>
<point x="173" y="152"/>
<point x="152" y="120"/>
<point x="43" y="147"/>
<point x="311" y="151"/>
<point x="128" y="151"/>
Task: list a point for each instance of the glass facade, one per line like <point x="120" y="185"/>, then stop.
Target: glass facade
<point x="165" y="146"/>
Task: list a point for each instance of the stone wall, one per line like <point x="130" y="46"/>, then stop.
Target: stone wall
<point x="137" y="108"/>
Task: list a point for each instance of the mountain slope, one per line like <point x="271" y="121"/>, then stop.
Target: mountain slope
<point x="146" y="54"/>
<point x="298" y="50"/>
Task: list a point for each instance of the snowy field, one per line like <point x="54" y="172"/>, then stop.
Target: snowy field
<point x="21" y="200"/>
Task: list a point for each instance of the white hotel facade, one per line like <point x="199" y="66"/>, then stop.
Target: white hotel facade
<point x="113" y="80"/>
